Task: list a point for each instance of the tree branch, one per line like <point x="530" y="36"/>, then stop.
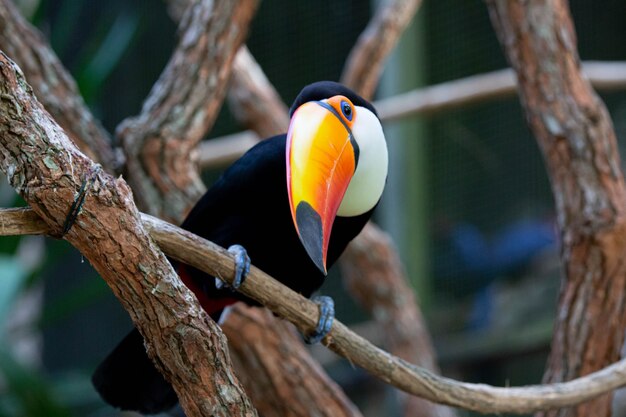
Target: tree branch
<point x="51" y="174"/>
<point x="367" y="58"/>
<point x="204" y="255"/>
<point x="182" y="106"/>
<point x="575" y="134"/>
<point x="253" y="99"/>
<point x="54" y="86"/>
<point x="604" y="76"/>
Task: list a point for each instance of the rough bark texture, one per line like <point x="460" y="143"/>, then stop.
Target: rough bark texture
<point x="253" y="99"/>
<point x="182" y="106"/>
<point x="374" y="276"/>
<point x="277" y="371"/>
<point x="367" y="58"/>
<point x="576" y="136"/>
<point x="54" y="86"/>
<point x="48" y="171"/>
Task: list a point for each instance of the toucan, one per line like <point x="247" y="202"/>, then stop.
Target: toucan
<point x="291" y="204"/>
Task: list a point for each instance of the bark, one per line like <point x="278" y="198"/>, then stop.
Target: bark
<point x="576" y="136"/>
<point x="182" y="106"/>
<point x="49" y="172"/>
<point x="54" y="86"/>
<point x="253" y="100"/>
<point x="366" y="61"/>
<point x="374" y="275"/>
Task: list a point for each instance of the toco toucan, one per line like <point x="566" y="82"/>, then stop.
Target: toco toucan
<point x="292" y="204"/>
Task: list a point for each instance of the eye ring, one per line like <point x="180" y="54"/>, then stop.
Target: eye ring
<point x="346" y="109"/>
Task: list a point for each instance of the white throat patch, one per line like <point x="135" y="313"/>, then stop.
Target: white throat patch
<point x="367" y="183"/>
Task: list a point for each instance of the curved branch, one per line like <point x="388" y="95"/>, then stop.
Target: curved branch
<point x="54" y="86"/>
<point x="302" y="312"/>
<point x="181" y="107"/>
<point x="51" y="174"/>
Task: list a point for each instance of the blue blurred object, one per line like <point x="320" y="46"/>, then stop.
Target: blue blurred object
<point x="468" y="261"/>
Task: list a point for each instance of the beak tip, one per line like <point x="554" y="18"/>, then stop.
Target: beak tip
<point x="311" y="234"/>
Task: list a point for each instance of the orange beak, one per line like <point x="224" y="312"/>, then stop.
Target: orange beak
<point x="321" y="159"/>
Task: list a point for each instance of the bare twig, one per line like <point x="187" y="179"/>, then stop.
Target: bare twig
<point x="54" y="86"/>
<point x="214" y="260"/>
<point x="181" y="107"/>
<point x="604" y="76"/>
<point x="58" y="181"/>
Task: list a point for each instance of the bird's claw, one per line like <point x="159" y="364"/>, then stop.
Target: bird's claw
<point x="326" y="318"/>
<point x="242" y="268"/>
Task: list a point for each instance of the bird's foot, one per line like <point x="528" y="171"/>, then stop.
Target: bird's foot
<point x="242" y="268"/>
<point x="325" y="322"/>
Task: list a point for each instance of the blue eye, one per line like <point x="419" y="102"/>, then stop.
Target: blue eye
<point x="346" y="109"/>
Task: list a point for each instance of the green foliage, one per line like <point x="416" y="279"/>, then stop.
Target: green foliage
<point x="30" y="394"/>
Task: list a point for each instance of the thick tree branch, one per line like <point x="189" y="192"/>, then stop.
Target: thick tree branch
<point x="367" y="58"/>
<point x="48" y="171"/>
<point x="575" y="134"/>
<point x="182" y="106"/>
<point x="204" y="255"/>
<point x="54" y="86"/>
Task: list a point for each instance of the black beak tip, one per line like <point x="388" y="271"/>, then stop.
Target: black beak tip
<point x="311" y="234"/>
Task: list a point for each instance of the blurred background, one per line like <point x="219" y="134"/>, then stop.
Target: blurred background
<point x="468" y="204"/>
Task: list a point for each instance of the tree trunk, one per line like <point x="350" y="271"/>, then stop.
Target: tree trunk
<point x="96" y="214"/>
<point x="576" y="136"/>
